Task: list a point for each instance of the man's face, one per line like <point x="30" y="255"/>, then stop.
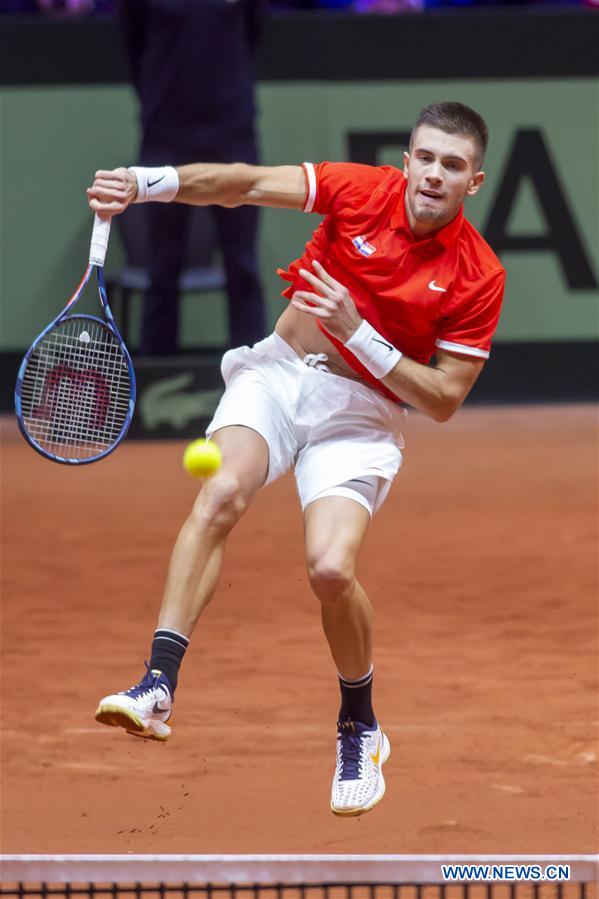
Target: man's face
<point x="442" y="171"/>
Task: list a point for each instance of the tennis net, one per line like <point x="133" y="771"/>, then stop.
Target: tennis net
<point x="299" y="877"/>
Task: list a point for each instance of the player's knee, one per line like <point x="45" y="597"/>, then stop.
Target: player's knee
<point x="221" y="503"/>
<point x="331" y="575"/>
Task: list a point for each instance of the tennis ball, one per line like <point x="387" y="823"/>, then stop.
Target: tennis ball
<point x="202" y="458"/>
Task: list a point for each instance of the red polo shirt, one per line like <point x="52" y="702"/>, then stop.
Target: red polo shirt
<point x="442" y="291"/>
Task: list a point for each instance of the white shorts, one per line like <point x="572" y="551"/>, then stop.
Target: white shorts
<point x="331" y="428"/>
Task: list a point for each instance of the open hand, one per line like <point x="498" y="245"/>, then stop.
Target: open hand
<point x="333" y="303"/>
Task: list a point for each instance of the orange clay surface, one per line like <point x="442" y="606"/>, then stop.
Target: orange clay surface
<point x="482" y="567"/>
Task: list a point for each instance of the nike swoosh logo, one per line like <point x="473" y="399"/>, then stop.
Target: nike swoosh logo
<point x="376" y="757"/>
<point x="158" y="709"/>
<point x="388" y="345"/>
<point x="433" y="286"/>
<point x="157" y="181"/>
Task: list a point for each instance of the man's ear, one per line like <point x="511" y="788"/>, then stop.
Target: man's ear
<point x="475" y="184"/>
<point x="406" y="162"/>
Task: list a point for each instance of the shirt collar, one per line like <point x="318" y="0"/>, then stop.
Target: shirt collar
<point x="445" y="235"/>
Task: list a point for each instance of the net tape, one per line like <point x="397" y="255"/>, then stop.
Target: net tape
<point x="138" y="890"/>
<point x="248" y="871"/>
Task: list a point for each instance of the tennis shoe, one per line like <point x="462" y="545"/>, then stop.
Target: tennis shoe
<point x="358" y="783"/>
<point x="142" y="710"/>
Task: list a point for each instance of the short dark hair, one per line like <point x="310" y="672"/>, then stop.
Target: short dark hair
<point x="456" y="118"/>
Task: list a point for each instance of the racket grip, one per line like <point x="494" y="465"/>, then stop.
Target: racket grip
<point x="99" y="244"/>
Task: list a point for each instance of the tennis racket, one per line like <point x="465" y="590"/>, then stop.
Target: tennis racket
<point x="75" y="390"/>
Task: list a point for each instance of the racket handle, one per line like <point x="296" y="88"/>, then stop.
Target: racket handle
<point x="99" y="244"/>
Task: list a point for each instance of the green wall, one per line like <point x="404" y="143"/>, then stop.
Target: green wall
<point x="53" y="139"/>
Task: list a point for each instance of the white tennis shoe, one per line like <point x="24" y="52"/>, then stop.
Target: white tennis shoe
<point x="358" y="783"/>
<point x="142" y="710"/>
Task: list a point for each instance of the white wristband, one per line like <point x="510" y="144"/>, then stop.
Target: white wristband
<point x="160" y="184"/>
<point x="374" y="352"/>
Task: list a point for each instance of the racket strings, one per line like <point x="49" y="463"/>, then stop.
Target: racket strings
<point x="76" y="387"/>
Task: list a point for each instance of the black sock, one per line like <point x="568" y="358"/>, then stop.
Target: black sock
<point x="356" y="700"/>
<point x="168" y="649"/>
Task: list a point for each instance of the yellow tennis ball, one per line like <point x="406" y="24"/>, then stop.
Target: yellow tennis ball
<point x="202" y="458"/>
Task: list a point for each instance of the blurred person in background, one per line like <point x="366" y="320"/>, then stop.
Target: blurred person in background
<point x="192" y="68"/>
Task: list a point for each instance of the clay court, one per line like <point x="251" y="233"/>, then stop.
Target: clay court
<point x="482" y="566"/>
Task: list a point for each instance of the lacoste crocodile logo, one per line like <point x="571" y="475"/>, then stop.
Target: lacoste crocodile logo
<point x="168" y="401"/>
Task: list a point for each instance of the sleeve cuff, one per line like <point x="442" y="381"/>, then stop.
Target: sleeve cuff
<point x="311" y="186"/>
<point x="462" y="348"/>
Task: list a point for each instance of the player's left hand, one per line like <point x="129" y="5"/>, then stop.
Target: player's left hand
<point x="333" y="303"/>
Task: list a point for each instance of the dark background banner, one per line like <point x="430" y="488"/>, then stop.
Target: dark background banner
<point x="491" y="43"/>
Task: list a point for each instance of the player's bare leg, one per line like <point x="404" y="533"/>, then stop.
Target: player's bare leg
<point x="197" y="555"/>
<point x="334" y="530"/>
<point x="195" y="563"/>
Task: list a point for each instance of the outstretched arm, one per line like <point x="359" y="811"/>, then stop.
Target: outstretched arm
<point x="200" y="184"/>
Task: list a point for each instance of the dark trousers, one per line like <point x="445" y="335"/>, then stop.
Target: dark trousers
<point x="168" y="230"/>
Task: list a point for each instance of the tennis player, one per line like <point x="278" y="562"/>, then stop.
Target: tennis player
<point x="393" y="275"/>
